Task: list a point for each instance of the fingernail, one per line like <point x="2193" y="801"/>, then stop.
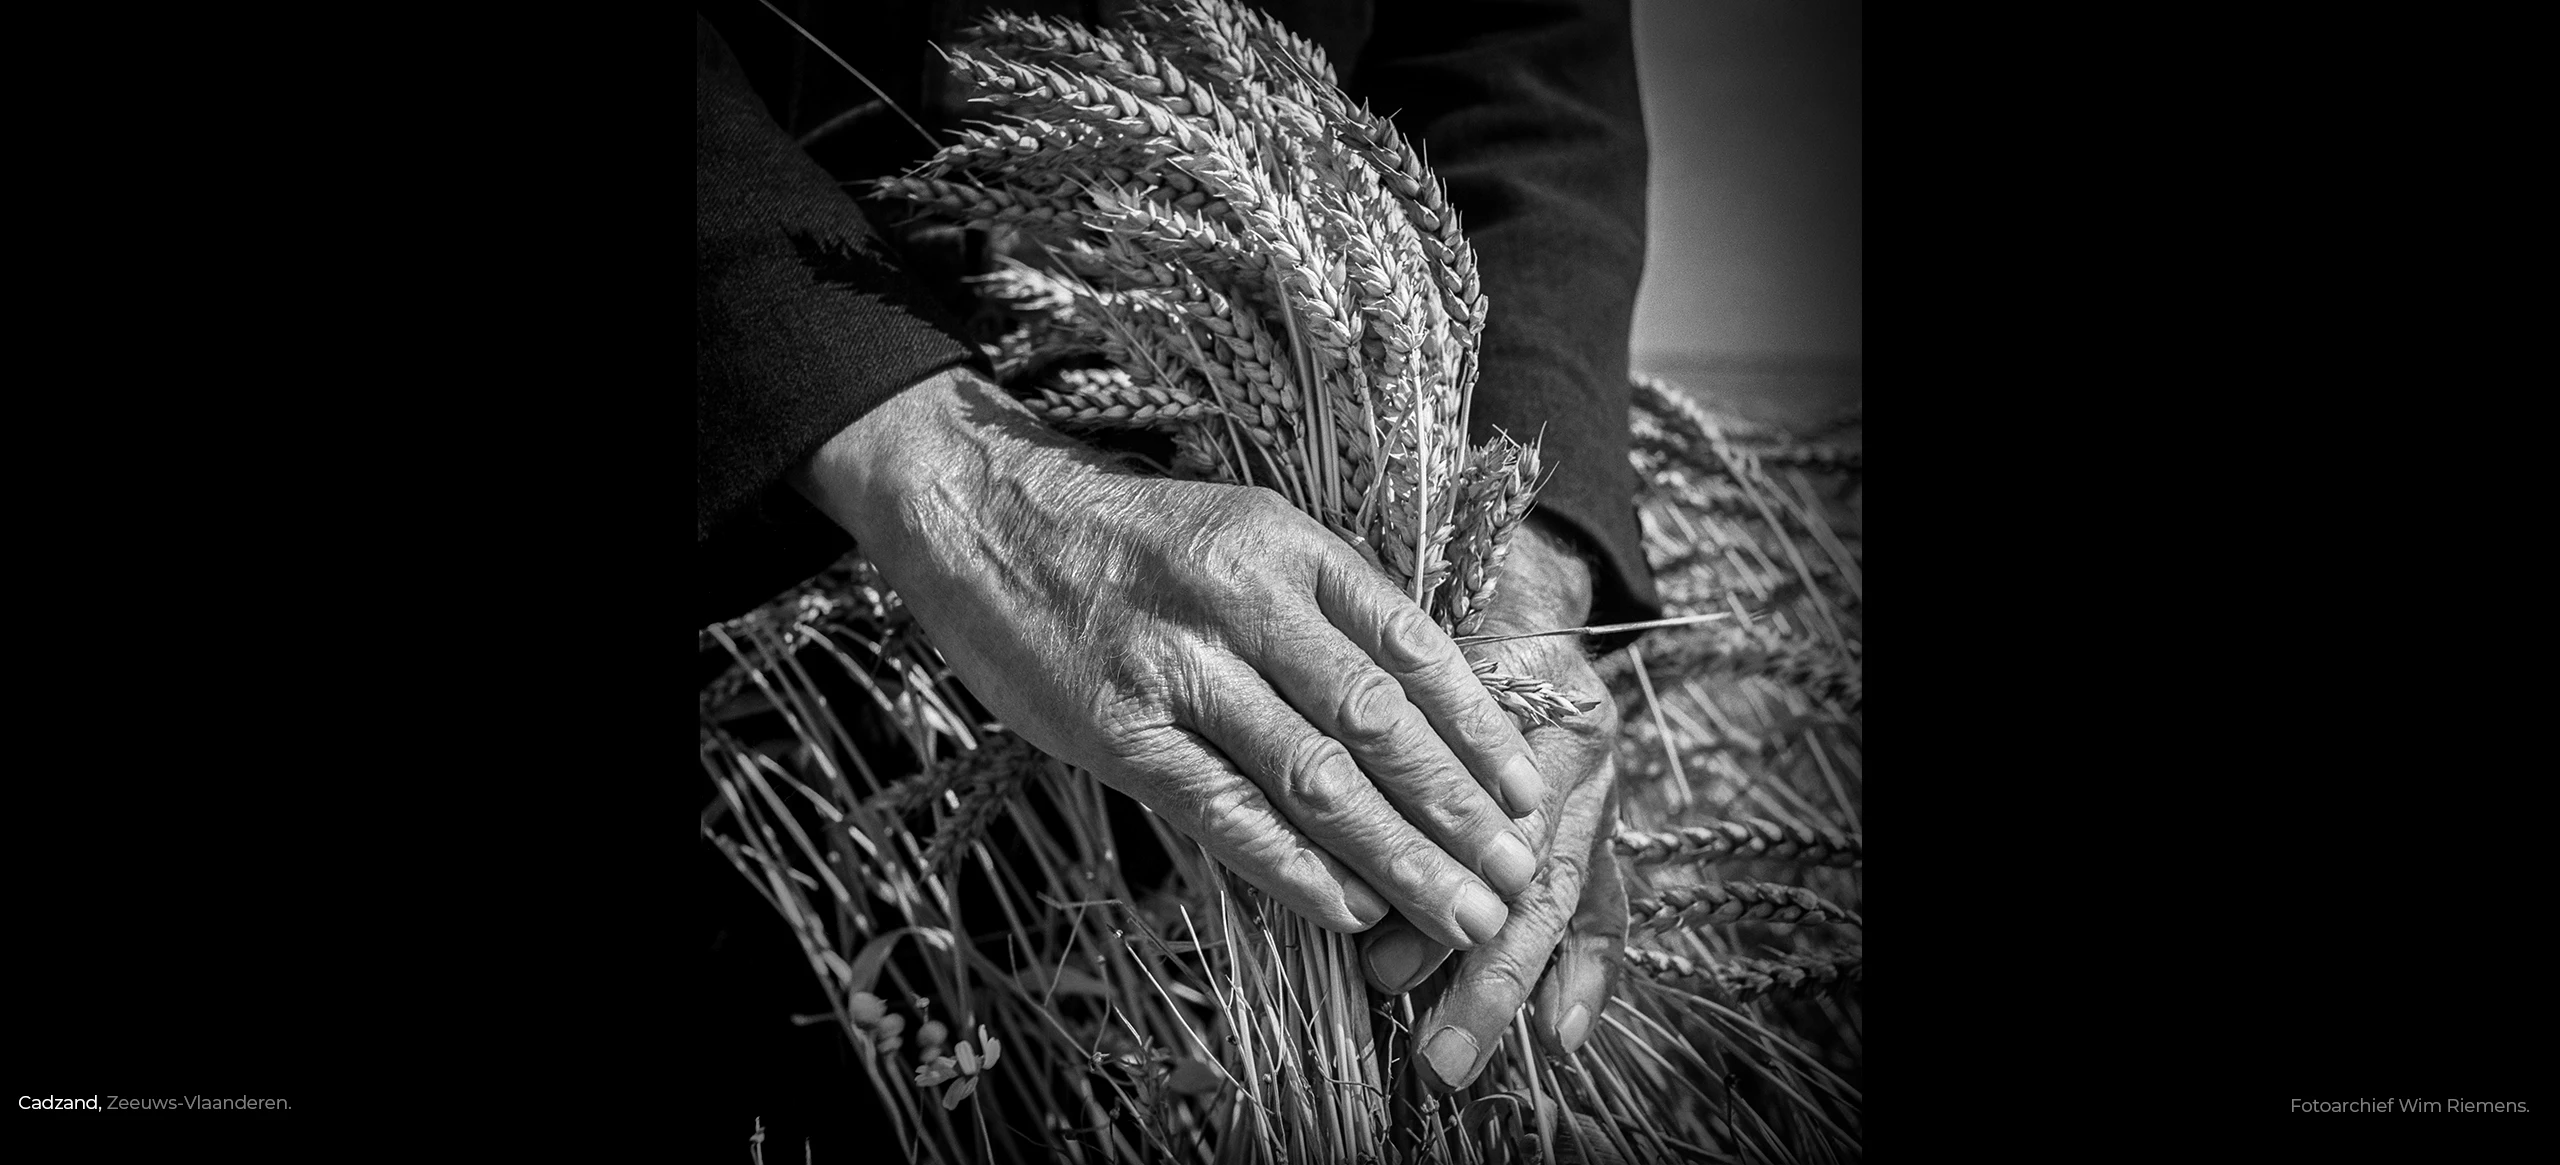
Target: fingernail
<point x="1522" y="788"/>
<point x="1510" y="866"/>
<point x="1577" y="1024"/>
<point x="1364" y="904"/>
<point x="1396" y="960"/>
<point x="1480" y="914"/>
<point x="1452" y="1056"/>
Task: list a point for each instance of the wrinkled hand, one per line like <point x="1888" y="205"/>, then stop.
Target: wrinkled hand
<point x="1577" y="907"/>
<point x="1206" y="649"/>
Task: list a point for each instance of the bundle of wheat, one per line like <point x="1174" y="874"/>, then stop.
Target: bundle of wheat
<point x="1202" y="238"/>
<point x="1165" y="1019"/>
<point x="1275" y="278"/>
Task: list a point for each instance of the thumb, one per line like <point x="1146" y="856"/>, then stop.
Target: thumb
<point x="1577" y="986"/>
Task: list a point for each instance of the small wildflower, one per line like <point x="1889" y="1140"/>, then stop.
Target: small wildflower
<point x="964" y="1064"/>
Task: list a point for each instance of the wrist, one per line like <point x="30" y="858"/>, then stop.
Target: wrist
<point x="844" y="476"/>
<point x="952" y="455"/>
<point x="875" y="476"/>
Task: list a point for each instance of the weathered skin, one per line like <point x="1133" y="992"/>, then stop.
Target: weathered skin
<point x="1218" y="655"/>
<point x="1576" y="909"/>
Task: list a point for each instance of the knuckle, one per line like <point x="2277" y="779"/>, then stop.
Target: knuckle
<point x="1299" y="868"/>
<point x="1136" y="741"/>
<point x="1231" y="812"/>
<point x="1258" y="520"/>
<point x="1452" y="805"/>
<point x="1371" y="711"/>
<point x="1413" y="861"/>
<point x="1318" y="780"/>
<point x="1131" y="722"/>
<point x="1567" y="870"/>
<point x="1505" y="976"/>
<point x="1233" y="524"/>
<point x="1405" y="621"/>
<point x="1545" y="908"/>
<point x="1476" y="718"/>
<point x="1408" y="638"/>
<point x="1547" y="913"/>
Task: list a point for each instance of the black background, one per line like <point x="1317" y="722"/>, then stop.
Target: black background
<point x="354" y="673"/>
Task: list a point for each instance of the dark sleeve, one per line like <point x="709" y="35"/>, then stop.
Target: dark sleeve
<point x="803" y="322"/>
<point x="1529" y="110"/>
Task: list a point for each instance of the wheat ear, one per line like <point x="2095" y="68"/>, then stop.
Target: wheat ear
<point x="1738" y="841"/>
<point x="1716" y="903"/>
<point x="1745" y="980"/>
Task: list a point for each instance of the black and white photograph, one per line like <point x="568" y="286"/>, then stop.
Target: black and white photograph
<point x="1349" y="647"/>
<point x="1271" y="581"/>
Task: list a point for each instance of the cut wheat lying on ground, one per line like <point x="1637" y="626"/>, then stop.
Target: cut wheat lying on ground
<point x="1205" y="245"/>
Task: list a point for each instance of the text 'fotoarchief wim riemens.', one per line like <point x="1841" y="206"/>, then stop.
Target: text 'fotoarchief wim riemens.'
<point x="2386" y="1104"/>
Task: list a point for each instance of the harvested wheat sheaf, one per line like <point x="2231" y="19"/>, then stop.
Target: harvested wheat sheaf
<point x="1276" y="280"/>
<point x="1200" y="238"/>
<point x="1132" y="1082"/>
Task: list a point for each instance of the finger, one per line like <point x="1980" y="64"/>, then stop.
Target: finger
<point x="1494" y="980"/>
<point x="1399" y="638"/>
<point x="1396" y="955"/>
<point x="1201" y="794"/>
<point x="1311" y="779"/>
<point x="1347" y="697"/>
<point x="1577" y="987"/>
<point x="1573" y="749"/>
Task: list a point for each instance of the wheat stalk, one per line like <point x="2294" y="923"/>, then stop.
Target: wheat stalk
<point x="1626" y="1088"/>
<point x="1743" y="652"/>
<point x="1275" y="274"/>
<point x="1744" y="980"/>
<point x="1529" y="700"/>
<point x="1717" y="903"/>
<point x="979" y="782"/>
<point x="1739" y="840"/>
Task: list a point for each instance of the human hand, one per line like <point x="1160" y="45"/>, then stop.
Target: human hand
<point x="1577" y="907"/>
<point x="1206" y="649"/>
